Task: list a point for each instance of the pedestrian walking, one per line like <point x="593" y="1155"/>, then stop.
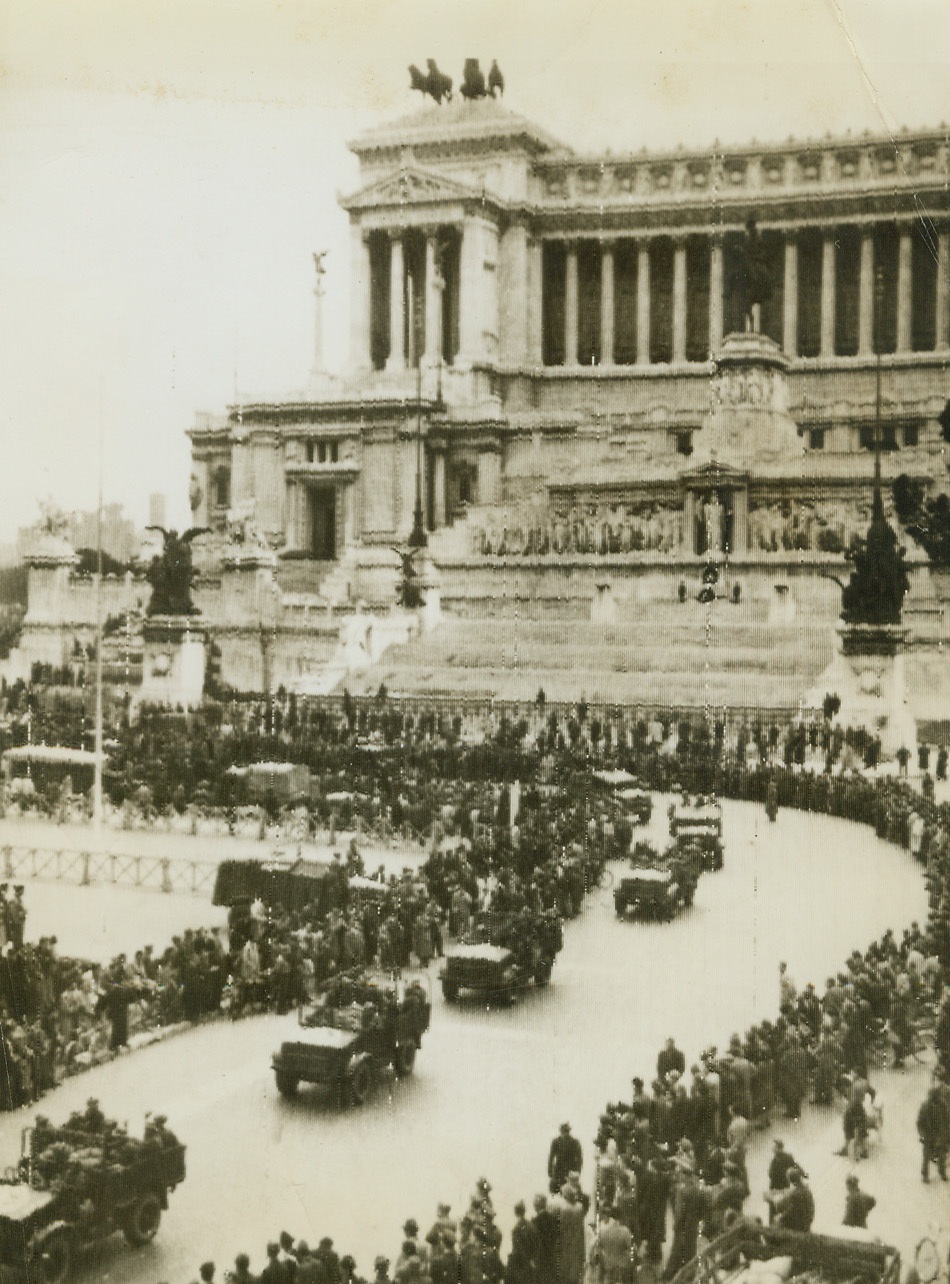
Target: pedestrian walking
<point x="933" y="1129"/>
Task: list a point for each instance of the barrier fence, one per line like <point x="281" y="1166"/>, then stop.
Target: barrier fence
<point x="99" y="869"/>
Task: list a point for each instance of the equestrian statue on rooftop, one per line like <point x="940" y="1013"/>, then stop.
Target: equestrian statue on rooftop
<point x="435" y="84"/>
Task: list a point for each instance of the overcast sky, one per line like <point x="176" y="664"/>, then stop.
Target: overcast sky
<point x="167" y="167"/>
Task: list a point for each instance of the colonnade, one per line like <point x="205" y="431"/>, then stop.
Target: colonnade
<point x="814" y="277"/>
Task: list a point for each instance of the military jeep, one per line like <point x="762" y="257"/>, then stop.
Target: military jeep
<point x="357" y="1029"/>
<point x="494" y="973"/>
<point x="73" y="1188"/>
<point x="653" y="893"/>
<point x="697" y="826"/>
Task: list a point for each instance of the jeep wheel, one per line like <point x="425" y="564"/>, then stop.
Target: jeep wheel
<point x="361" y="1081"/>
<point x="450" y="990"/>
<point x="286" y="1084"/>
<point x="405" y="1059"/>
<point x="55" y="1257"/>
<point x="143" y="1219"/>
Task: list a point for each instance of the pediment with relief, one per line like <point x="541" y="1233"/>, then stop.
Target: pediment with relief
<point x="409" y="186"/>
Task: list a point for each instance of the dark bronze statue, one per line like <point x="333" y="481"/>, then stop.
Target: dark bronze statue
<point x="755" y="277"/>
<point x="496" y="81"/>
<point x="434" y="83"/>
<point x="170" y="573"/>
<point x="473" y="80"/>
<point x="875" y="592"/>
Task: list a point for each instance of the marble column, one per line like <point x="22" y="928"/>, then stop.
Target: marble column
<point x="535" y="312"/>
<point x="643" y="303"/>
<point x="489" y="476"/>
<point x="689" y="522"/>
<point x="943" y="291"/>
<point x="570" y="306"/>
<point x="469" y="310"/>
<point x="360" y="356"/>
<point x="397" y="306"/>
<point x="715" y="295"/>
<point x="740" y="520"/>
<point x="607" y="304"/>
<point x="679" y="300"/>
<point x="438" y="488"/>
<point x="790" y="297"/>
<point x="433" y="300"/>
<point x="866" y="294"/>
<point x="828" y="294"/>
<point x="905" y="252"/>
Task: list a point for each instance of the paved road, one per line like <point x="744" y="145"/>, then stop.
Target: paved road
<point x="490" y="1088"/>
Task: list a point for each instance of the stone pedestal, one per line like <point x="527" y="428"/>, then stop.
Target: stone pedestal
<point x="867" y="673"/>
<point x="173" y="662"/>
<point x="250" y="596"/>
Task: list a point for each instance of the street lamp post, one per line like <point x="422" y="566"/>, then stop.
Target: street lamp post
<point x="417" y="537"/>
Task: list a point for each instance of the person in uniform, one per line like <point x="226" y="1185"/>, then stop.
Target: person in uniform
<point x="564" y="1157"/>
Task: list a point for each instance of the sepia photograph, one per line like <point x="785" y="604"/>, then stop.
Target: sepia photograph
<point x="474" y="642"/>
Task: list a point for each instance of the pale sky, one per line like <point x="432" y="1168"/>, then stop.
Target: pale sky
<point x="167" y="167"/>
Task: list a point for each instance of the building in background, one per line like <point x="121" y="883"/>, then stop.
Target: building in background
<point x="534" y="331"/>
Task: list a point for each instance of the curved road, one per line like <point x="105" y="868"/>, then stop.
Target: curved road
<point x="490" y="1088"/>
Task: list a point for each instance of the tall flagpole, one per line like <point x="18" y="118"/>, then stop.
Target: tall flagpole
<point x="97" y="778"/>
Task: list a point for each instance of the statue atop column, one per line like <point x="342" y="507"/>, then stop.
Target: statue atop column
<point x="875" y="592"/>
<point x="754" y="277"/>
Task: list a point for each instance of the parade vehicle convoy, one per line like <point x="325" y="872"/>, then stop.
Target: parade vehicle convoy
<point x="73" y="1188"/>
<point x="359" y="1027"/>
<point x="697" y="824"/>
<point x="749" y="1251"/>
<point x="505" y="958"/>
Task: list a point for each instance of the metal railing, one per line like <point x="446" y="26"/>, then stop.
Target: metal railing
<point x="109" y="869"/>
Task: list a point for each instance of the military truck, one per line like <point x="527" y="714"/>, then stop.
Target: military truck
<point x="359" y="1027"/>
<point x="73" y="1188"/>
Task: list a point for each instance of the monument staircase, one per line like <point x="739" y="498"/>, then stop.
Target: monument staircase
<point x="663" y="653"/>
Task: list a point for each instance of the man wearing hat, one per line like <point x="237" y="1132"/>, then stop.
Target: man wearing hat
<point x="327" y="1262"/>
<point x="308" y="1270"/>
<point x="274" y="1272"/>
<point x="242" y="1271"/>
<point x="410" y="1232"/>
<point x="381" y="1271"/>
<point x="206" y="1273"/>
<point x="564" y="1157"/>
